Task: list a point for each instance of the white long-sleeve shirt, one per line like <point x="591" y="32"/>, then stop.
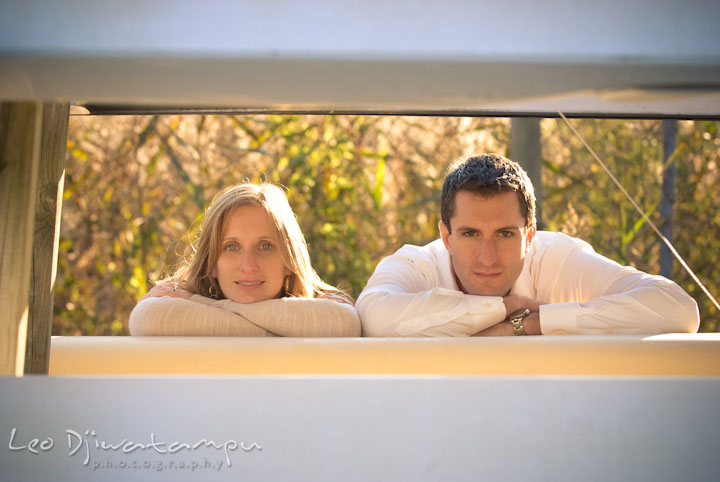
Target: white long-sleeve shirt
<point x="414" y="293"/>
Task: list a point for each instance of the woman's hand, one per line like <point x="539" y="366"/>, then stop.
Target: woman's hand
<point x="167" y="289"/>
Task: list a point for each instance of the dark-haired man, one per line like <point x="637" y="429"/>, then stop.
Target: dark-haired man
<point x="492" y="273"/>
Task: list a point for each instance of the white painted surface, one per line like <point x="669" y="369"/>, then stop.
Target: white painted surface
<point x="641" y="29"/>
<point x="384" y="55"/>
<point x="365" y="428"/>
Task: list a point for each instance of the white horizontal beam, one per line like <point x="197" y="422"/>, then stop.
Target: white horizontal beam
<point x="360" y="428"/>
<point x="391" y="55"/>
<point x="641" y="29"/>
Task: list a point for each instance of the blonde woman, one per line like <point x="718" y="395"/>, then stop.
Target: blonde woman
<point x="250" y="275"/>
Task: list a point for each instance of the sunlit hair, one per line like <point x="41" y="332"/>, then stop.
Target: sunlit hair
<point x="487" y="175"/>
<point x="196" y="276"/>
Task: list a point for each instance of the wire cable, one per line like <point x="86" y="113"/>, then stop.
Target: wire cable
<point x="642" y="213"/>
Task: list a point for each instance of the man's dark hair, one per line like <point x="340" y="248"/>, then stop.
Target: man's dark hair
<point x="487" y="175"/>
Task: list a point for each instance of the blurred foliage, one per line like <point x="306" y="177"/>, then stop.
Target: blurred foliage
<point x="581" y="200"/>
<point x="361" y="187"/>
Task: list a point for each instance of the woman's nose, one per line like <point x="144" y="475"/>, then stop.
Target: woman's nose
<point x="248" y="263"/>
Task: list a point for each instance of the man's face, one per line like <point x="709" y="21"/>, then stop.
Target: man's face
<point x="488" y="243"/>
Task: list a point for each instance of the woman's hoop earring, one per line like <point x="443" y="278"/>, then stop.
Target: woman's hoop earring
<point x="286" y="285"/>
<point x="213" y="292"/>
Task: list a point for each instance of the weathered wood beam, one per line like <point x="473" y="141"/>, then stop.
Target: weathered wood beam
<point x="51" y="178"/>
<point x="20" y="126"/>
<point x="667" y="200"/>
<point x="525" y="148"/>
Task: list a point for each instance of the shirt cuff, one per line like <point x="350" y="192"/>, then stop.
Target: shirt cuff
<point x="490" y="306"/>
<point x="559" y="318"/>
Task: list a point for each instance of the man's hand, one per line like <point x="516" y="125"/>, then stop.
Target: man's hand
<point x="514" y="303"/>
<point x="531" y="323"/>
<point x="167" y="289"/>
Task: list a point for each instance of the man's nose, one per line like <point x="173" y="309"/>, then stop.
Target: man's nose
<point x="487" y="253"/>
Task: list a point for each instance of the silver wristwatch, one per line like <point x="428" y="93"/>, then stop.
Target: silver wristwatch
<point x="516" y="320"/>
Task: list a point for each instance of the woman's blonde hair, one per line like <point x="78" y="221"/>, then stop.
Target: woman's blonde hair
<point x="196" y="276"/>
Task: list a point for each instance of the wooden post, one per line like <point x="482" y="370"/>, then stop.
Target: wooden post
<point x="20" y="126"/>
<point x="667" y="201"/>
<point x="525" y="149"/>
<point x="48" y="208"/>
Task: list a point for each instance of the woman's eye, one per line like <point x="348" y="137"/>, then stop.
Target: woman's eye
<point x="230" y="247"/>
<point x="265" y="246"/>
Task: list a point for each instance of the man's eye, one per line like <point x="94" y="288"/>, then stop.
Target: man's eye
<point x="469" y="234"/>
<point x="506" y="234"/>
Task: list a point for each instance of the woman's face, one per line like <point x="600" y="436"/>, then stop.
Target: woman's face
<point x="250" y="267"/>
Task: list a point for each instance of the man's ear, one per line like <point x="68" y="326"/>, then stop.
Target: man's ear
<point x="444" y="234"/>
<point x="529" y="237"/>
